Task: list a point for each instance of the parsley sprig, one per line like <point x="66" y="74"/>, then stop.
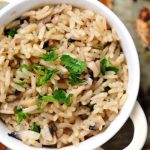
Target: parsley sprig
<point x="10" y="32"/>
<point x="75" y="66"/>
<point x="36" y="128"/>
<point x="58" y="96"/>
<point x="107" y="66"/>
<point x="73" y="80"/>
<point x="21" y="115"/>
<point x="50" y="56"/>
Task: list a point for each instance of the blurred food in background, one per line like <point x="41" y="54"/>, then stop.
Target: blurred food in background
<point x="143" y="26"/>
<point x="108" y="3"/>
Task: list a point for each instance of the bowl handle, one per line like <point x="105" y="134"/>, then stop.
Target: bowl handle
<point x="140" y="128"/>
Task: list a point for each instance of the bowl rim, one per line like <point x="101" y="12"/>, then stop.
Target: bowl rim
<point x="134" y="76"/>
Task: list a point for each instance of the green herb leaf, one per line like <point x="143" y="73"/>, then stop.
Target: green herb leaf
<point x="53" y="48"/>
<point x="73" y="80"/>
<point x="25" y="66"/>
<point x="21" y="115"/>
<point x="21" y="83"/>
<point x="39" y="68"/>
<point x="41" y="80"/>
<point x="36" y="128"/>
<point x="48" y="98"/>
<point x="49" y="56"/>
<point x="39" y="104"/>
<point x="59" y="96"/>
<point x="11" y="32"/>
<point x="75" y="66"/>
<point x="107" y="66"/>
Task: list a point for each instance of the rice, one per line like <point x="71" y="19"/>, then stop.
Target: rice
<point x="33" y="46"/>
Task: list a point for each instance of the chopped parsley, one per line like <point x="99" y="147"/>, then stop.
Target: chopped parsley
<point x="21" y="115"/>
<point x="41" y="80"/>
<point x="73" y="80"/>
<point x="36" y="128"/>
<point x="10" y="32"/>
<point x="39" y="68"/>
<point x="58" y="96"/>
<point x="50" y="56"/>
<point x="75" y="66"/>
<point x="107" y="66"/>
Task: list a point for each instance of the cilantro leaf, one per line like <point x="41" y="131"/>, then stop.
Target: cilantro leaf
<point x="75" y="66"/>
<point x="10" y="32"/>
<point x="41" y="80"/>
<point x="59" y="96"/>
<point x="107" y="66"/>
<point x="36" y="128"/>
<point x="21" y="115"/>
<point x="73" y="80"/>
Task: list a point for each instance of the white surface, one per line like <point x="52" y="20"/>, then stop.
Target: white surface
<point x="17" y="8"/>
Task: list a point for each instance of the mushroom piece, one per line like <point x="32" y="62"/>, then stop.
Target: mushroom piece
<point x="8" y="108"/>
<point x="48" y="135"/>
<point x="25" y="135"/>
<point x="92" y="66"/>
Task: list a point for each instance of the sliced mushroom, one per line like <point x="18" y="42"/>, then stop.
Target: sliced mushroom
<point x="8" y="108"/>
<point x="52" y="129"/>
<point x="25" y="135"/>
<point x="48" y="136"/>
<point x="92" y="66"/>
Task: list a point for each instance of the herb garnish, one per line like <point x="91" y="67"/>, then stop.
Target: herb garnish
<point x="36" y="128"/>
<point x="21" y="115"/>
<point x="50" y="56"/>
<point x="73" y="80"/>
<point x="107" y="66"/>
<point x="41" y="80"/>
<point x="58" y="96"/>
<point x="10" y="32"/>
<point x="75" y="66"/>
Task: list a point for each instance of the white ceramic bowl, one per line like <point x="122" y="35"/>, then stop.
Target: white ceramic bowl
<point x="16" y="8"/>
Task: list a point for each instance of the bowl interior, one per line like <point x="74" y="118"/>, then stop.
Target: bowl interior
<point x="16" y="8"/>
